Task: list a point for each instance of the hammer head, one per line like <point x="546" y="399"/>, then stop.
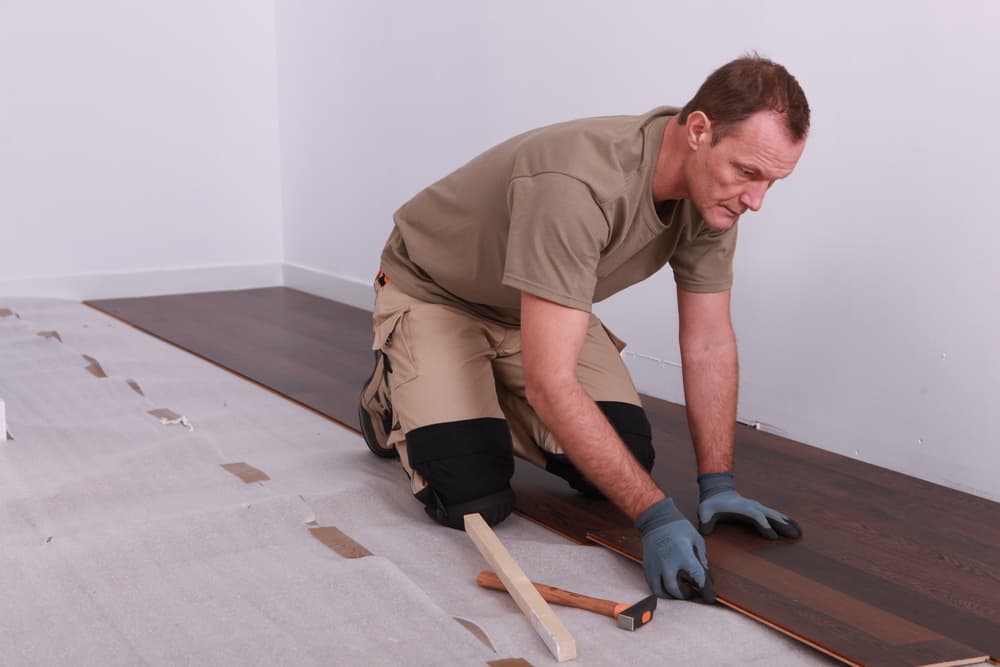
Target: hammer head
<point x="637" y="615"/>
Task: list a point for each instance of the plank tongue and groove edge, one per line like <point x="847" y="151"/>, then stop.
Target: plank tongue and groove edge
<point x="922" y="553"/>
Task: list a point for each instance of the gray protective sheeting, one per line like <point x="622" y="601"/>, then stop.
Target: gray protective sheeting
<point x="124" y="541"/>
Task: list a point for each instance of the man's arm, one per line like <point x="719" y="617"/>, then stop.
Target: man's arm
<point x="673" y="553"/>
<point x="711" y="376"/>
<point x="711" y="381"/>
<point x="552" y="337"/>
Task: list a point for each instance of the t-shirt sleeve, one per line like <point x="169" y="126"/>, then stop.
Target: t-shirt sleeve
<point x="703" y="260"/>
<point x="557" y="232"/>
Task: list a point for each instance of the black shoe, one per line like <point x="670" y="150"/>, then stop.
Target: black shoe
<point x="375" y="411"/>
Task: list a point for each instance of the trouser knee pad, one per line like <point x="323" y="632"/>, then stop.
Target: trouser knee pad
<point x="467" y="466"/>
<point x="632" y="426"/>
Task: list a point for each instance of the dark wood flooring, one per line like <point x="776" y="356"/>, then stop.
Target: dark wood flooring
<point x="891" y="570"/>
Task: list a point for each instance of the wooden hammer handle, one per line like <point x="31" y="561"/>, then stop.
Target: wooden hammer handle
<point x="488" y="579"/>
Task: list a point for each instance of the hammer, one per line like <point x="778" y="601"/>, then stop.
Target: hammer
<point x="628" y="617"/>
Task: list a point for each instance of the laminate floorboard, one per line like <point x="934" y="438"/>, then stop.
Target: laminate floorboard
<point x="891" y="570"/>
<point x="309" y="349"/>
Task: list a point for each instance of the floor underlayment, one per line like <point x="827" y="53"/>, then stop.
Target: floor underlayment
<point x="872" y="582"/>
<point x="125" y="541"/>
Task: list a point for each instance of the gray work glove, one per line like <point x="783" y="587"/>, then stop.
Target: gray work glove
<point x="720" y="501"/>
<point x="673" y="554"/>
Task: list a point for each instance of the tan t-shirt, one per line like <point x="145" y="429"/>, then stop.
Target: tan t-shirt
<point x="564" y="212"/>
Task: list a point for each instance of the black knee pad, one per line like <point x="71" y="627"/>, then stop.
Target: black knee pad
<point x="559" y="464"/>
<point x="467" y="465"/>
<point x="494" y="507"/>
<point x="632" y="426"/>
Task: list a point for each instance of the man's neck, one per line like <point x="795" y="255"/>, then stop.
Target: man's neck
<point x="668" y="175"/>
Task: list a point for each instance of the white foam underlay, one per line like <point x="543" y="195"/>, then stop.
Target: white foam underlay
<point x="124" y="541"/>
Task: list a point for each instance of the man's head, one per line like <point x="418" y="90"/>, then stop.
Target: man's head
<point x="746" y="86"/>
<point x="745" y="128"/>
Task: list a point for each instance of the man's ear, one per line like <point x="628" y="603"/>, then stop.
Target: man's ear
<point x="699" y="130"/>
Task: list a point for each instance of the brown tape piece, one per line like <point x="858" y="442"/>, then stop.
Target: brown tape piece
<point x="476" y="631"/>
<point x="168" y="417"/>
<point x="339" y="542"/>
<point x="510" y="662"/>
<point x="135" y="386"/>
<point x="164" y="413"/>
<point x="95" y="367"/>
<point x="50" y="334"/>
<point x="6" y="312"/>
<point x="246" y="472"/>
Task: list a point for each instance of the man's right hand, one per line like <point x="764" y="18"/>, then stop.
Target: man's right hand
<point x="673" y="554"/>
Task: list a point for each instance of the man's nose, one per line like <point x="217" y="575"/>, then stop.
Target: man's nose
<point x="753" y="195"/>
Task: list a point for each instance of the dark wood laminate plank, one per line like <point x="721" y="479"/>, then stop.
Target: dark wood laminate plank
<point x="957" y="517"/>
<point x="836" y="621"/>
<point x="859" y="521"/>
<point x="948" y="506"/>
<point x="303" y="347"/>
<point x="856" y="526"/>
<point x="915" y="559"/>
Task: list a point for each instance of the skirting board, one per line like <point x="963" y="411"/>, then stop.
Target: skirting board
<point x="353" y="292"/>
<point x="192" y="279"/>
<point x="145" y="283"/>
<point x="157" y="282"/>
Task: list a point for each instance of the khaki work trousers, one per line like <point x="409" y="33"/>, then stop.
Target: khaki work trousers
<point x="449" y="365"/>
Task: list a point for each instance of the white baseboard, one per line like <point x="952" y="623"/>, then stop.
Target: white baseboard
<point x="80" y="287"/>
<point x="146" y="283"/>
<point x="351" y="291"/>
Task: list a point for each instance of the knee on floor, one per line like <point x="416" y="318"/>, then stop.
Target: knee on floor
<point x="467" y="465"/>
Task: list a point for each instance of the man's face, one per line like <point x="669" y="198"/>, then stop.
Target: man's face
<point x="732" y="176"/>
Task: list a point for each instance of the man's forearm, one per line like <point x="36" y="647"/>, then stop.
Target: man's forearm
<point x="711" y="382"/>
<point x="595" y="448"/>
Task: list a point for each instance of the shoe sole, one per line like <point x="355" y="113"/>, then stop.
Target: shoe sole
<point x="368" y="429"/>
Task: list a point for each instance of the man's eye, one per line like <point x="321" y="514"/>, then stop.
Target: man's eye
<point x="746" y="173"/>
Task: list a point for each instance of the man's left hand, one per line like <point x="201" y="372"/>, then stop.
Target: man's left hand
<point x="720" y="501"/>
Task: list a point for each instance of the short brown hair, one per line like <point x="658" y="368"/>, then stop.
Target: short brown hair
<point x="741" y="88"/>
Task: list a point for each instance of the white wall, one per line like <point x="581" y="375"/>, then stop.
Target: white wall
<point x="374" y="103"/>
<point x="867" y="300"/>
<point x="138" y="146"/>
<point x="139" y="153"/>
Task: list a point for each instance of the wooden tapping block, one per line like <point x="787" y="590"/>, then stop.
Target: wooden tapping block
<point x="539" y="613"/>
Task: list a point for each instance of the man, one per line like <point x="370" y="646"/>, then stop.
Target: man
<point x="484" y="342"/>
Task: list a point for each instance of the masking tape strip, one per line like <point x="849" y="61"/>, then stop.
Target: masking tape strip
<point x="95" y="367"/>
<point x="339" y="542"/>
<point x="168" y="417"/>
<point x="50" y="334"/>
<point x="246" y="472"/>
